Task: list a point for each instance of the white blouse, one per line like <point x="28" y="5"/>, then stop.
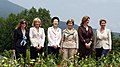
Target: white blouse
<point x="103" y="39"/>
<point x="37" y="37"/>
<point x="54" y="36"/>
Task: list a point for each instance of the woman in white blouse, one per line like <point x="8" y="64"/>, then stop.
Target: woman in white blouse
<point x="103" y="41"/>
<point x="37" y="38"/>
<point x="54" y="37"/>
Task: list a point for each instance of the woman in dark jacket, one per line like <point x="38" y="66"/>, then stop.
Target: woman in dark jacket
<point x="20" y="39"/>
<point x="85" y="34"/>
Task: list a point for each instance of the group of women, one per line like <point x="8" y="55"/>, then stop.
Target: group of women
<point x="70" y="40"/>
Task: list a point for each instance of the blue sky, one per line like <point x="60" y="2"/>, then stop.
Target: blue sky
<point x="76" y="9"/>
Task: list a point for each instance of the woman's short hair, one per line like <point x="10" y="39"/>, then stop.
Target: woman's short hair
<point x="84" y="19"/>
<point x="54" y="19"/>
<point x="36" y="20"/>
<point x="102" y="20"/>
<point x="70" y="20"/>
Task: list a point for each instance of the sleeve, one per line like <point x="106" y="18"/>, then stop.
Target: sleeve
<point x="110" y="40"/>
<point x="95" y="39"/>
<point x="92" y="35"/>
<point x="59" y="38"/>
<point x="43" y="38"/>
<point x="31" y="36"/>
<point x="62" y="40"/>
<point x="77" y="43"/>
<point x="80" y="35"/>
<point x="28" y="39"/>
<point x="15" y="38"/>
<point x="49" y="37"/>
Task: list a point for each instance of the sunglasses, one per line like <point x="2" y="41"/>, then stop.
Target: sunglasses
<point x="23" y="22"/>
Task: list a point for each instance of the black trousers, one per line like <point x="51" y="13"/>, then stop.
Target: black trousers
<point x="20" y="51"/>
<point x="101" y="52"/>
<point x="34" y="52"/>
<point x="53" y="51"/>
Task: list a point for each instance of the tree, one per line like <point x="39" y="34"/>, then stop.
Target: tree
<point x="7" y="25"/>
<point x="116" y="42"/>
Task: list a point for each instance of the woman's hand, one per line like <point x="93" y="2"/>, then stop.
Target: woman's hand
<point x="38" y="47"/>
<point x="55" y="46"/>
<point x="87" y="45"/>
<point x="76" y="50"/>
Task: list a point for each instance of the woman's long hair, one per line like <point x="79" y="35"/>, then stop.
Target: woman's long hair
<point x="19" y="23"/>
<point x="84" y="19"/>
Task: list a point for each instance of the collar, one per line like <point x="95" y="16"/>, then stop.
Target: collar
<point x="57" y="29"/>
<point x="71" y="31"/>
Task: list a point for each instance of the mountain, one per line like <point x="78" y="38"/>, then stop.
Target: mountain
<point x="63" y="25"/>
<point x="7" y="7"/>
<point x="116" y="35"/>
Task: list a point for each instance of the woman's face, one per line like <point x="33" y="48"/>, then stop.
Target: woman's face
<point x="70" y="25"/>
<point x="23" y="24"/>
<point x="86" y="23"/>
<point x="55" y="23"/>
<point x="103" y="24"/>
<point x="37" y="24"/>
